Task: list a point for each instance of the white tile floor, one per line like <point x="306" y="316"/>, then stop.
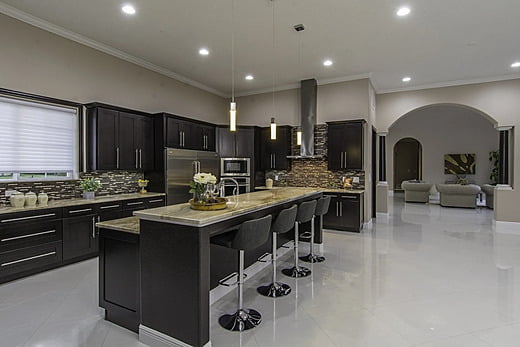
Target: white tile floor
<point x="430" y="276"/>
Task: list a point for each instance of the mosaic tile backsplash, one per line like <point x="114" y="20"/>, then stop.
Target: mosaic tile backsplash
<point x="112" y="182"/>
<point x="314" y="172"/>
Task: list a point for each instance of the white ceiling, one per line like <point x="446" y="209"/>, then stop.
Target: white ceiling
<point x="440" y="42"/>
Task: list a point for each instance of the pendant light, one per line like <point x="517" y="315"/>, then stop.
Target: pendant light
<point x="299" y="28"/>
<point x="273" y="123"/>
<point x="299" y="136"/>
<point x="233" y="105"/>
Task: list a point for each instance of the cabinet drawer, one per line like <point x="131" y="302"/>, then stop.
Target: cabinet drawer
<point x="30" y="258"/>
<point x="158" y="201"/>
<point x="135" y="204"/>
<point x="33" y="233"/>
<point x="81" y="210"/>
<point x="112" y="206"/>
<point x="29" y="216"/>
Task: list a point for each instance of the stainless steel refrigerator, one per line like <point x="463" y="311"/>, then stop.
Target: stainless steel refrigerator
<point x="181" y="165"/>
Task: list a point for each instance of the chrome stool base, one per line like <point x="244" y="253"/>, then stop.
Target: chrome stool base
<point x="297" y="272"/>
<point x="312" y="258"/>
<point x="243" y="319"/>
<point x="275" y="290"/>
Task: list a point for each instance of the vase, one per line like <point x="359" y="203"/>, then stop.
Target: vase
<point x="30" y="199"/>
<point x="17" y="200"/>
<point x="43" y="199"/>
<point x="89" y="195"/>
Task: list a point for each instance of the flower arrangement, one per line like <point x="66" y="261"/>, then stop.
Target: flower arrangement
<point x="199" y="184"/>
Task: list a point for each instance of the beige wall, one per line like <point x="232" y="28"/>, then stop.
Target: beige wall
<point x="498" y="100"/>
<point x="35" y="61"/>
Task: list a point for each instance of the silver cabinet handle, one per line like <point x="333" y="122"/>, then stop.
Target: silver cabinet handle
<point x="337" y="213"/>
<point x="25" y="218"/>
<point x="158" y="200"/>
<point x="26" y="259"/>
<point x="29" y="235"/>
<point x="110" y="206"/>
<point x="341" y="160"/>
<point x="345" y="160"/>
<point x="135" y="203"/>
<point x="341" y="209"/>
<point x="78" y="211"/>
<point x="348" y="197"/>
<point x="183" y="138"/>
<point x="94" y="227"/>
<point x="136" y="158"/>
<point x="117" y="157"/>
<point x="140" y="158"/>
<point x="180" y="138"/>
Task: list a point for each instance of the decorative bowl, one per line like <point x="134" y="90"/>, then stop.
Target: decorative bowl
<point x="209" y="206"/>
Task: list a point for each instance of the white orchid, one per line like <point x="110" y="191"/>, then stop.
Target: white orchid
<point x="204" y="178"/>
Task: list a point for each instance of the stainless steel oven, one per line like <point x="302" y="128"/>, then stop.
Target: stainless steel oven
<point x="244" y="186"/>
<point x="231" y="167"/>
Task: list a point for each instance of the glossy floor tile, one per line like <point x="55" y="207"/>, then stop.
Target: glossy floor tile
<point x="426" y="276"/>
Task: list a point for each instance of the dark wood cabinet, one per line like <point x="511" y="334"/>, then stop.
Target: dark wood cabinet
<point x="184" y="133"/>
<point x="79" y="237"/>
<point x="274" y="152"/>
<point x="345" y="145"/>
<point x="345" y="212"/>
<point x="119" y="139"/>
<point x="236" y="144"/>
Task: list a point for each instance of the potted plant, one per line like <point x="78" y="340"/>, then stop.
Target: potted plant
<point x="89" y="186"/>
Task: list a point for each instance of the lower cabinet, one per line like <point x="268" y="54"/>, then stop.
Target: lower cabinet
<point x="345" y="212"/>
<point x="79" y="237"/>
<point x="26" y="261"/>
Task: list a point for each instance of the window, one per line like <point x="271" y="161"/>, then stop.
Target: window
<point x="37" y="141"/>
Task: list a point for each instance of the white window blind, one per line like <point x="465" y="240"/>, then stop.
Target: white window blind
<point x="37" y="138"/>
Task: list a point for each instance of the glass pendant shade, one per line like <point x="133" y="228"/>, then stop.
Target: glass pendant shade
<point x="299" y="137"/>
<point x="233" y="117"/>
<point x="273" y="129"/>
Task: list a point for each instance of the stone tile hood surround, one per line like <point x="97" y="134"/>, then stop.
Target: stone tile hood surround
<point x="308" y="105"/>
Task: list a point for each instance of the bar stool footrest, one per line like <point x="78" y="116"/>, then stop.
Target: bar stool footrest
<point x="306" y="235"/>
<point x="243" y="319"/>
<point x="297" y="272"/>
<point x="261" y="259"/>
<point x="223" y="281"/>
<point x="312" y="258"/>
<point x="274" y="290"/>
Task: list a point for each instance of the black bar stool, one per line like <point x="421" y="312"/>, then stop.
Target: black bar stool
<point x="282" y="224"/>
<point x="249" y="235"/>
<point x="305" y="214"/>
<point x="322" y="207"/>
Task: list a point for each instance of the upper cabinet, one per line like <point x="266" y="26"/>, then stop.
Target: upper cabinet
<point x="179" y="132"/>
<point x="274" y="152"/>
<point x="236" y="144"/>
<point x="118" y="139"/>
<point x="345" y="145"/>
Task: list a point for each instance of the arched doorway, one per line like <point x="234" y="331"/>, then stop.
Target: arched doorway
<point x="407" y="161"/>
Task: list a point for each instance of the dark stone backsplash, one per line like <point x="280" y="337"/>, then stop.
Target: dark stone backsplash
<point x="313" y="172"/>
<point x="112" y="182"/>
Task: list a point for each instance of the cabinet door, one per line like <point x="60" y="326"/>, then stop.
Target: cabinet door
<point x="226" y="143"/>
<point x="79" y="237"/>
<point x="173" y="133"/>
<point x="335" y="147"/>
<point x="266" y="149"/>
<point x="106" y="139"/>
<point x="281" y="148"/>
<point x="128" y="156"/>
<point x="195" y="137"/>
<point x="332" y="219"/>
<point x="143" y="142"/>
<point x="353" y="135"/>
<point x="209" y="143"/>
<point x="244" y="143"/>
<point x="350" y="212"/>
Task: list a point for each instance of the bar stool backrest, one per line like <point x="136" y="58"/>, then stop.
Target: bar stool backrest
<point x="322" y="206"/>
<point x="252" y="234"/>
<point x="306" y="211"/>
<point x="285" y="220"/>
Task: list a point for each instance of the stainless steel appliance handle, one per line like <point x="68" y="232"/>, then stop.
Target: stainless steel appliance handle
<point x="117" y="157"/>
<point x="140" y="158"/>
<point x="136" y="158"/>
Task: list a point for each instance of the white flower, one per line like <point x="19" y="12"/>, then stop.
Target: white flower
<point x="204" y="178"/>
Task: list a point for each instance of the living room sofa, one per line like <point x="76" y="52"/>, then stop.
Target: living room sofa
<point x="416" y="191"/>
<point x="489" y="190"/>
<point x="458" y="195"/>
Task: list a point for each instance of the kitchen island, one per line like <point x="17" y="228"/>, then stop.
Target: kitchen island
<point x="174" y="258"/>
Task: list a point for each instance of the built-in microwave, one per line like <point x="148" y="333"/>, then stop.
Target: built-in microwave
<point x="235" y="167"/>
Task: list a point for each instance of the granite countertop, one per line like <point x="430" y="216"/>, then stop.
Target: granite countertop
<point x="333" y="190"/>
<point x="239" y="205"/>
<point x="128" y="224"/>
<point x="80" y="201"/>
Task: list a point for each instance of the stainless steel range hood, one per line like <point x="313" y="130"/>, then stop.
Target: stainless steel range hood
<point x="308" y="103"/>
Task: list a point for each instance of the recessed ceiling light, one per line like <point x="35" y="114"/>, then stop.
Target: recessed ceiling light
<point x="250" y="77"/>
<point x="516" y="64"/>
<point x="128" y="9"/>
<point x="327" y="62"/>
<point x="406" y="79"/>
<point x="403" y="11"/>
<point x="203" y="51"/>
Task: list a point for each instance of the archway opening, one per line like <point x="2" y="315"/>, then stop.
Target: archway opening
<point x="407" y="161"/>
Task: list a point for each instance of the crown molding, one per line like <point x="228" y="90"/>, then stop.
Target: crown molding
<point x="68" y="34"/>
<point x="450" y="83"/>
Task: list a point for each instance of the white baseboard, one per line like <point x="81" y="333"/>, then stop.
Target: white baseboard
<point x="154" y="338"/>
<point x="382" y="218"/>
<point x="506" y="227"/>
<point x="368" y="224"/>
